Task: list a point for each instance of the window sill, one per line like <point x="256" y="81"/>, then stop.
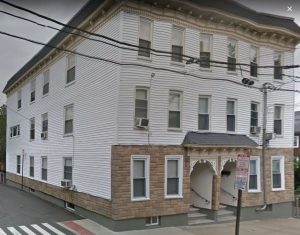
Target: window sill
<point x="69" y="84"/>
<point x="68" y="135"/>
<point x="179" y="64"/>
<point x="140" y="199"/>
<point x="45" y="181"/>
<point x="144" y="58"/>
<point x="279" y="136"/>
<point x="280" y="81"/>
<point x="231" y="132"/>
<point x="254" y="191"/>
<point x="140" y="129"/>
<point x="254" y="78"/>
<point x="175" y="129"/>
<point x="45" y="95"/>
<point x="232" y="72"/>
<point x="205" y="69"/>
<point x="18" y="109"/>
<point x="31" y="140"/>
<point x="278" y="189"/>
<point x="32" y="102"/>
<point x="14" y="137"/>
<point x="174" y="197"/>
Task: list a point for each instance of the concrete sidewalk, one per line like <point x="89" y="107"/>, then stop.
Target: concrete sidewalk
<point x="262" y="227"/>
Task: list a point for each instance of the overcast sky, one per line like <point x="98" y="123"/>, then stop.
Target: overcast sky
<point x="15" y="53"/>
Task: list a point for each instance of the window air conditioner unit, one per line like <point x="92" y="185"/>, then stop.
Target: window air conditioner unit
<point x="44" y="135"/>
<point x="142" y="122"/>
<point x="255" y="130"/>
<point x="270" y="136"/>
<point x="66" y="183"/>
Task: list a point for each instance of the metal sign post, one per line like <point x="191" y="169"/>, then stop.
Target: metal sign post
<point x="241" y="180"/>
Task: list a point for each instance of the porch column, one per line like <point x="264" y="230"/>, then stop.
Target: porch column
<point x="216" y="188"/>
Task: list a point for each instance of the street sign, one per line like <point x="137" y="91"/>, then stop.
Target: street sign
<point x="242" y="170"/>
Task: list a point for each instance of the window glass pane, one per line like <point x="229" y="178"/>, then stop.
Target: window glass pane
<point x="231" y="48"/>
<point x="71" y="61"/>
<point x="203" y="105"/>
<point x="172" y="168"/>
<point x="276" y="180"/>
<point x="139" y="169"/>
<point x="141" y="94"/>
<point x="71" y="75"/>
<point x="230" y="123"/>
<point x="277" y="58"/>
<point x="68" y="162"/>
<point x="276" y="166"/>
<point x="174" y="119"/>
<point x="69" y="113"/>
<point x="139" y="188"/>
<point x="44" y="163"/>
<point x="32" y="85"/>
<point x="177" y="55"/>
<point x="278" y="127"/>
<point x="253" y="54"/>
<point x="177" y="36"/>
<point x="174" y="101"/>
<point x="203" y="122"/>
<point x="277" y="112"/>
<point x="145" y="29"/>
<point x="31" y="161"/>
<point x="253" y="107"/>
<point x="253" y="182"/>
<point x="230" y="107"/>
<point x="252" y="167"/>
<point x="205" y="42"/>
<point x="68" y="126"/>
<point x="173" y="186"/>
<point x="46" y="77"/>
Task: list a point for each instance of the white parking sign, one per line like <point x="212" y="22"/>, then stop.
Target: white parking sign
<point x="242" y="169"/>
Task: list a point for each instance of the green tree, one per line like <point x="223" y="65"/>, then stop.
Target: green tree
<point x="2" y="135"/>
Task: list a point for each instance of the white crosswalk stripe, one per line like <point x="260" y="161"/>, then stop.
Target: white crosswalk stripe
<point x="2" y="232"/>
<point x="27" y="230"/>
<point x="13" y="231"/>
<point x="53" y="229"/>
<point x="38" y="228"/>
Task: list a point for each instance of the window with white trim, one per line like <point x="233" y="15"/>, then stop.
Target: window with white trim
<point x="32" y="90"/>
<point x="14" y="131"/>
<point x="69" y="119"/>
<point x="253" y="61"/>
<point x="32" y="129"/>
<point x="231" y="115"/>
<point x="278" y="178"/>
<point x="140" y="166"/>
<point x="232" y="54"/>
<point x="46" y="81"/>
<point x="44" y="168"/>
<point x="70" y="68"/>
<point x="68" y="168"/>
<point x="175" y="107"/>
<point x="19" y="105"/>
<point x="152" y="220"/>
<point x="205" y="50"/>
<point x="45" y="122"/>
<point x="278" y="119"/>
<point x="277" y="65"/>
<point x="254" y="174"/>
<point x="31" y="166"/>
<point x="204" y="113"/>
<point x="177" y="44"/>
<point x="145" y="36"/>
<point x="296" y="141"/>
<point x="18" y="164"/>
<point x="141" y="103"/>
<point x="173" y="176"/>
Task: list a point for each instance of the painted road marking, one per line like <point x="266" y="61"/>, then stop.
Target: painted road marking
<point x="38" y="228"/>
<point x="53" y="229"/>
<point x="13" y="231"/>
<point x="2" y="232"/>
<point x="27" y="230"/>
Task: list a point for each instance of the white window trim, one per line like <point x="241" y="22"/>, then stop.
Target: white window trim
<point x="235" y="114"/>
<point x="211" y="50"/>
<point x="257" y="159"/>
<point x="180" y="172"/>
<point x="148" y="101"/>
<point x="67" y="68"/>
<point x="151" y="38"/>
<point x="281" y="63"/>
<point x="282" y="172"/>
<point x="258" y="52"/>
<point x="152" y="223"/>
<point x="146" y="158"/>
<point x="236" y="55"/>
<point x="181" y="108"/>
<point x="19" y="97"/>
<point x="18" y="131"/>
<point x="44" y="157"/>
<point x="209" y="112"/>
<point x="181" y="64"/>
<point x="63" y="167"/>
<point x="44" y="78"/>
<point x="33" y="167"/>
<point x="282" y="119"/>
<point x="64" y="120"/>
<point x="19" y="173"/>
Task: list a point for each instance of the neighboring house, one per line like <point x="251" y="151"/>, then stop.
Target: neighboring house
<point x="81" y="124"/>
<point x="2" y="138"/>
<point x="297" y="134"/>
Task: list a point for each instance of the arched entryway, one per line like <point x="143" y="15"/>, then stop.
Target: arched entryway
<point x="228" y="194"/>
<point x="201" y="185"/>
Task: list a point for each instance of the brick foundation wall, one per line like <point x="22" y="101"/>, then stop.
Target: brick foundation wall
<point x="86" y="201"/>
<point x="123" y="207"/>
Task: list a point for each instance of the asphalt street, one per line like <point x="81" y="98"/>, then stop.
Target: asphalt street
<point x="22" y="208"/>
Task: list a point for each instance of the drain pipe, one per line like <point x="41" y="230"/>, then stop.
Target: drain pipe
<point x="264" y="146"/>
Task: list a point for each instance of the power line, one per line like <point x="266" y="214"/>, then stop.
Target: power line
<point x="191" y="58"/>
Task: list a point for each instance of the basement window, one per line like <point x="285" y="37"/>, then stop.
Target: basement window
<point x="152" y="220"/>
<point x="69" y="206"/>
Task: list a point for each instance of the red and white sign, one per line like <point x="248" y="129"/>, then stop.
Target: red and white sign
<point x="242" y="171"/>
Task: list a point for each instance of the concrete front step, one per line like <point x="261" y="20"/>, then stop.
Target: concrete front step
<point x="201" y="222"/>
<point x="226" y="219"/>
<point x="196" y="215"/>
<point x="224" y="212"/>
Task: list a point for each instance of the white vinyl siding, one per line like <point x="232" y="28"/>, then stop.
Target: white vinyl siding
<point x="140" y="186"/>
<point x="177" y="44"/>
<point x="205" y="50"/>
<point x="278" y="177"/>
<point x="173" y="176"/>
<point x="145" y="37"/>
<point x="254" y="175"/>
